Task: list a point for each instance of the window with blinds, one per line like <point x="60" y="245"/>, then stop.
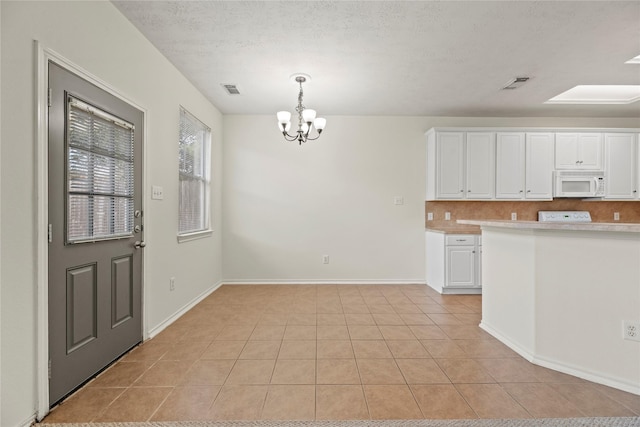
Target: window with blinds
<point x="194" y="165"/>
<point x="100" y="179"/>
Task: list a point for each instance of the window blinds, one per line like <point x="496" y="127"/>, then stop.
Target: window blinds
<point x="100" y="179"/>
<point x="193" y="159"/>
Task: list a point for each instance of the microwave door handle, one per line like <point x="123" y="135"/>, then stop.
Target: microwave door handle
<point x="595" y="183"/>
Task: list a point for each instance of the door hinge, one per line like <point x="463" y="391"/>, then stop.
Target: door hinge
<point x="49" y="369"/>
<point x="49" y="96"/>
<point x="50" y="233"/>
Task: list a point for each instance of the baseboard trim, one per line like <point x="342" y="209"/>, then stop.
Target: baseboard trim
<point x="175" y="316"/>
<point x="525" y="353"/>
<point x="28" y="422"/>
<point x="587" y="375"/>
<point x="324" y="282"/>
<point x="561" y="366"/>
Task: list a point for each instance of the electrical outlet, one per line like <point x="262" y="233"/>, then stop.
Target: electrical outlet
<point x="398" y="200"/>
<point x="172" y="284"/>
<point x="616" y="216"/>
<point x="514" y="216"/>
<point x="447" y="216"/>
<point x="325" y="259"/>
<point x="429" y="216"/>
<point x="631" y="330"/>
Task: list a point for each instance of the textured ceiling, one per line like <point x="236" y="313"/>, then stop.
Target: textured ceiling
<point x="417" y="58"/>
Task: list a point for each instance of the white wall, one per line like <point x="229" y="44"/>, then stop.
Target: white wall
<point x="97" y="38"/>
<point x="285" y="205"/>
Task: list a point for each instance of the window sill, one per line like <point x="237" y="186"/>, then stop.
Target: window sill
<point x="182" y="238"/>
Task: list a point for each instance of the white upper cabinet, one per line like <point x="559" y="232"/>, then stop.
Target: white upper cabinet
<point x="510" y="165"/>
<point x="621" y="166"/>
<point x="450" y="165"/>
<point x="519" y="163"/>
<point x="480" y="165"/>
<point x="460" y="165"/>
<point x="579" y="151"/>
<point x="539" y="165"/>
<point x="524" y="165"/>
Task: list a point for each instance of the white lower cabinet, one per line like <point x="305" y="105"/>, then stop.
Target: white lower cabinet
<point x="454" y="262"/>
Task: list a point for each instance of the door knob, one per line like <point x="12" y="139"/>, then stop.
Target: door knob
<point x="138" y="244"/>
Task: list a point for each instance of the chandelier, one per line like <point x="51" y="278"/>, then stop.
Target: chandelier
<point x="306" y="118"/>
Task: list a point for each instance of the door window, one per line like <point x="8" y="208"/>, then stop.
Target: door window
<point x="99" y="174"/>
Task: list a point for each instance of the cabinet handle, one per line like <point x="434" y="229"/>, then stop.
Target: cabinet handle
<point x="521" y="191"/>
<point x="462" y="191"/>
<point x="528" y="191"/>
<point x="468" y="191"/>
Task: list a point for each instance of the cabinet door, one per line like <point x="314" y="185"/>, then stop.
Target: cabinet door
<point x="566" y="150"/>
<point x="450" y="167"/>
<point x="460" y="263"/>
<point x="621" y="166"/>
<point x="539" y="166"/>
<point x="480" y="179"/>
<point x="579" y="151"/>
<point x="590" y="151"/>
<point x="510" y="165"/>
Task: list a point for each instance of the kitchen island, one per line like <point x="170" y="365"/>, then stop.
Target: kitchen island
<point x="558" y="294"/>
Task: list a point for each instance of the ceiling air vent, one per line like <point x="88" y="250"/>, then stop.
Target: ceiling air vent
<point x="515" y="83"/>
<point x="231" y="89"/>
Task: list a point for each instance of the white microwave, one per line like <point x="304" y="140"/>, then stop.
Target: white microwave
<point x="578" y="184"/>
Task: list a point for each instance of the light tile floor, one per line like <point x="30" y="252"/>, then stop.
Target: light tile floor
<point x="308" y="352"/>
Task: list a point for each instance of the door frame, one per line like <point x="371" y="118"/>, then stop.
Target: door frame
<point x="42" y="57"/>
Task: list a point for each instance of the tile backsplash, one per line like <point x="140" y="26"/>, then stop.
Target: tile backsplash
<point x="601" y="211"/>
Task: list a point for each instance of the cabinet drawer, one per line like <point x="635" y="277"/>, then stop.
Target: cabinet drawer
<point x="461" y="240"/>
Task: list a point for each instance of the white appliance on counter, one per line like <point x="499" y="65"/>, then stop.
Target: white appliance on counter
<point x="582" y="184"/>
<point x="564" y="216"/>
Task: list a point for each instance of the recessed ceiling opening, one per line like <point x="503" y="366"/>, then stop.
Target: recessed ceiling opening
<point x="635" y="60"/>
<point x="598" y="94"/>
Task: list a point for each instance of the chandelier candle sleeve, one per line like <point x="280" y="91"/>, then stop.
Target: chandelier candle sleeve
<point x="306" y="119"/>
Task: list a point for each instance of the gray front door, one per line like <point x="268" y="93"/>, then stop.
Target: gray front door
<point x="95" y="230"/>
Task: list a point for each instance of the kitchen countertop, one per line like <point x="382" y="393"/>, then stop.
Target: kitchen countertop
<point x="455" y="229"/>
<point x="571" y="226"/>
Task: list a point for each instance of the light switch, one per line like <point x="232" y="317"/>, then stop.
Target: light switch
<point x="157" y="192"/>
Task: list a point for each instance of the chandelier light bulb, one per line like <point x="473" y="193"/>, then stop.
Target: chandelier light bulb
<point x="308" y="115"/>
<point x="305" y="128"/>
<point x="319" y="124"/>
<point x="284" y="117"/>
